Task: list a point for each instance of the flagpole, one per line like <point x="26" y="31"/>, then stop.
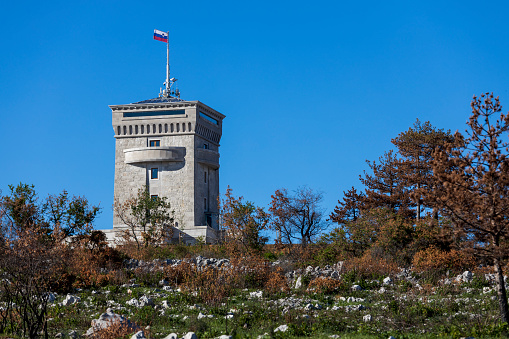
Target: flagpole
<point x="168" y="65"/>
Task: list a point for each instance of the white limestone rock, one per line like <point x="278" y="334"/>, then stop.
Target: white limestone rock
<point x="70" y="300"/>
<point x="356" y="288"/>
<point x="282" y="328"/>
<point x="106" y="320"/>
<point x="190" y="335"/>
<point x="139" y="335"/>
<point x="298" y="282"/>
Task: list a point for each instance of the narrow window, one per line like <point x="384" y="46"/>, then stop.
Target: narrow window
<point x="205" y="176"/>
<point x="178" y="127"/>
<point x="148" y="129"/>
<point x="154" y="128"/>
<point x="171" y="128"/>
<point x="130" y="130"/>
<point x="183" y="127"/>
<point x="136" y="129"/>
<point x="118" y="130"/>
<point x="205" y="203"/>
<point x="165" y="128"/>
<point x="154" y="197"/>
<point x="155" y="143"/>
<point x="154" y="173"/>
<point x="206" y="146"/>
<point x="189" y="127"/>
<point x="125" y="130"/>
<point x="142" y="129"/>
<point x="160" y="128"/>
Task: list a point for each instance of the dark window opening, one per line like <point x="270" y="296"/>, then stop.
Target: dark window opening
<point x="155" y="143"/>
<point x="154" y="173"/>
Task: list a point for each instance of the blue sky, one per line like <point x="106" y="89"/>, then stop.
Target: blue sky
<point x="310" y="89"/>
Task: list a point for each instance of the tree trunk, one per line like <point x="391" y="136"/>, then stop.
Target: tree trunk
<point x="501" y="292"/>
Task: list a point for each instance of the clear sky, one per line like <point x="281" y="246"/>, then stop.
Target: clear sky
<point x="310" y="89"/>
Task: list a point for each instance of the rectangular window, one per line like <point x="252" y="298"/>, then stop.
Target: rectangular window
<point x="153" y="113"/>
<point x="206" y="146"/>
<point x="205" y="203"/>
<point x="205" y="176"/>
<point x="154" y="173"/>
<point x="154" y="196"/>
<point x="209" y="118"/>
<point x="155" y="143"/>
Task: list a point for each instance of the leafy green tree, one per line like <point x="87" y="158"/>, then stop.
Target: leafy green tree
<point x="69" y="216"/>
<point x="149" y="220"/>
<point x="242" y="223"/>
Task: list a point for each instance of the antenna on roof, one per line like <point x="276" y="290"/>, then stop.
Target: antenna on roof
<point x="168" y="91"/>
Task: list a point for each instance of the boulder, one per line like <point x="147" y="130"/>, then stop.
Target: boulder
<point x="139" y="335"/>
<point x="356" y="288"/>
<point x="190" y="335"/>
<point x="282" y="328"/>
<point x="172" y="336"/>
<point x="106" y="320"/>
<point x="298" y="282"/>
<point x="70" y="300"/>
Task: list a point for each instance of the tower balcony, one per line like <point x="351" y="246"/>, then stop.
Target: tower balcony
<point x="150" y="154"/>
<point x="208" y="157"/>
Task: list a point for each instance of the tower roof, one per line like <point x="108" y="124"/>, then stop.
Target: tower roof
<point x="161" y="99"/>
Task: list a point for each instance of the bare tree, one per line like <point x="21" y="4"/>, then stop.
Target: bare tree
<point x="299" y="216"/>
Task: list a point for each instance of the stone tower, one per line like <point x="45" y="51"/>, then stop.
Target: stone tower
<point x="172" y="146"/>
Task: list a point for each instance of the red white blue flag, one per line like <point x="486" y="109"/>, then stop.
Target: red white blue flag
<point x="160" y="35"/>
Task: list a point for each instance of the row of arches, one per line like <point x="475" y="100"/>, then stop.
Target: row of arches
<point x="154" y="128"/>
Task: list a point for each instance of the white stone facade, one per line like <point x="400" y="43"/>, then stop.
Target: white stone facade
<point x="180" y="141"/>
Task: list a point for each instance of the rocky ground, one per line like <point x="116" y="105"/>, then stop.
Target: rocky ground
<point x="401" y="305"/>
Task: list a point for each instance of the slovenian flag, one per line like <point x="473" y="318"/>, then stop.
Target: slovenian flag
<point x="160" y="35"/>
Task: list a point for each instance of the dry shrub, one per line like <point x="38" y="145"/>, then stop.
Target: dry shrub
<point x="277" y="282"/>
<point x="438" y="261"/>
<point x="178" y="274"/>
<point x="94" y="266"/>
<point x="324" y="285"/>
<point x="212" y="285"/>
<point x="368" y="266"/>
